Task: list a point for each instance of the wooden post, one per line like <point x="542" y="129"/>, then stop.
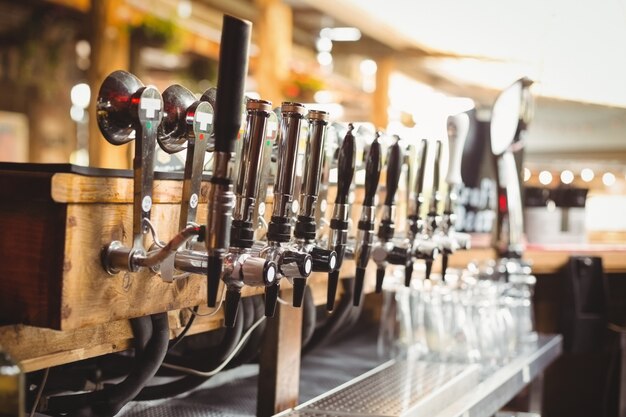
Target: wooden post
<point x="279" y="373"/>
<point x="273" y="30"/>
<point x="380" y="104"/>
<point x="109" y="52"/>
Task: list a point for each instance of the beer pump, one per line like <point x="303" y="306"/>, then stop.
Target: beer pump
<point x="305" y="231"/>
<point x="422" y="248"/>
<point x="338" y="238"/>
<point x="240" y="266"/>
<point x="292" y="264"/>
<point x="386" y="251"/>
<point x="232" y="70"/>
<point x="127" y="110"/>
<point x="365" y="235"/>
<point x="432" y="218"/>
<point x="448" y="239"/>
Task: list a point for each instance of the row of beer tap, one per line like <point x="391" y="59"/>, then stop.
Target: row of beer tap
<point x="225" y="248"/>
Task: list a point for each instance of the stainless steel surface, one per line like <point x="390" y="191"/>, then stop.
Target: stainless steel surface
<point x="247" y="184"/>
<point x="433" y="205"/>
<point x="291" y="120"/>
<point x="512" y="234"/>
<point x="318" y="122"/>
<point x="388" y="213"/>
<point x="418" y="388"/>
<point x="258" y="272"/>
<point x="338" y="237"/>
<point x="194" y="262"/>
<point x="404" y="388"/>
<point x="495" y="390"/>
<point x="221" y="201"/>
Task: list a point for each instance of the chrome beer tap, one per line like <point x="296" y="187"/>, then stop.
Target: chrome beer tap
<point x="386" y="251"/>
<point x="448" y="239"/>
<point x="324" y="260"/>
<point x="186" y="121"/>
<point x="341" y="212"/>
<point x="432" y="218"/>
<point x="292" y="264"/>
<point x="422" y="247"/>
<point x="233" y="67"/>
<point x="365" y="235"/>
<point x="241" y="266"/>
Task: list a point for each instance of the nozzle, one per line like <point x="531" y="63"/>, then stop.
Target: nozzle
<point x="380" y="276"/>
<point x="359" y="279"/>
<point x="214" y="272"/>
<point x="408" y="274"/>
<point x="299" y="286"/>
<point x="444" y="266"/>
<point x="271" y="299"/>
<point x="333" y="280"/>
<point x="429" y="268"/>
<point x="231" y="306"/>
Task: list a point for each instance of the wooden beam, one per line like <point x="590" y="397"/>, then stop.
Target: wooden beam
<point x="279" y="372"/>
<point x="110" y="48"/>
<point x="273" y="31"/>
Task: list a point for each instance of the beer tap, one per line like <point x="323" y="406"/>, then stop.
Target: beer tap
<point x="324" y="260"/>
<point x="449" y="240"/>
<point x="422" y="248"/>
<point x="385" y="251"/>
<point x="127" y="110"/>
<point x="293" y="264"/>
<point x="241" y="267"/>
<point x="233" y="67"/>
<point x="189" y="122"/>
<point x="341" y="212"/>
<point x="432" y="218"/>
<point x="365" y="236"/>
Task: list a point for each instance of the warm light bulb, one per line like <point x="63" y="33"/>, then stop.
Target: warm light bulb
<point x="608" y="179"/>
<point x="545" y="177"/>
<point x="586" y="174"/>
<point x="567" y="177"/>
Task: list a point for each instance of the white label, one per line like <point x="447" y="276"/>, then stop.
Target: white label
<point x="333" y="262"/>
<point x="261" y="209"/>
<point x="193" y="200"/>
<point x="526" y="375"/>
<point x="323" y="205"/>
<point x="308" y="266"/>
<point x="295" y="206"/>
<point x="204" y="119"/>
<point x="146" y="204"/>
<point x="271" y="274"/>
<point x="151" y="106"/>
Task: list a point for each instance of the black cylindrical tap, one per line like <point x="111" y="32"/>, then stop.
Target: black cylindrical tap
<point x="365" y="235"/>
<point x="341" y="211"/>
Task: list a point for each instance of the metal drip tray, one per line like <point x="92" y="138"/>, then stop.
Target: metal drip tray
<point x="397" y="388"/>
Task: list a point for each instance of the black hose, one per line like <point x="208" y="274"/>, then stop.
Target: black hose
<point x="111" y="399"/>
<point x="182" y="334"/>
<point x="336" y="319"/>
<point x="216" y="355"/>
<point x="250" y="350"/>
<point x="142" y="332"/>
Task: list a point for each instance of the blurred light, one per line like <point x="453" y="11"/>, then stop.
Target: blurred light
<point x="608" y="179"/>
<point x="368" y="67"/>
<point x="324" y="58"/>
<point x="586" y="174"/>
<point x="83" y="49"/>
<point x="77" y="113"/>
<point x="324" y="45"/>
<point x="80" y="95"/>
<point x="545" y="177"/>
<point x="527" y="174"/>
<point x="184" y="9"/>
<point x="456" y="105"/>
<point x="567" y="177"/>
<point x="345" y="34"/>
<point x="323" y="96"/>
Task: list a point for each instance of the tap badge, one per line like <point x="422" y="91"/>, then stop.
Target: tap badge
<point x="203" y="119"/>
<point x="152" y="107"/>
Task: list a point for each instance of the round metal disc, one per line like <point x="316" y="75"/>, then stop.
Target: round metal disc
<point x="113" y="107"/>
<point x="174" y="128"/>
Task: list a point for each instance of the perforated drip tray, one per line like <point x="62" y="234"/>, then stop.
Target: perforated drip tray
<point x="396" y="388"/>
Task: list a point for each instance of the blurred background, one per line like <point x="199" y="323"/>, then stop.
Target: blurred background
<point x="401" y="65"/>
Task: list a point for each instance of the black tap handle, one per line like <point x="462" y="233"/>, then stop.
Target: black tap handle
<point x="345" y="166"/>
<point x="214" y="270"/>
<point x="231" y="306"/>
<point x="444" y="266"/>
<point x="408" y="273"/>
<point x="372" y="172"/>
<point x="380" y="276"/>
<point x="324" y="260"/>
<point x="232" y="71"/>
<point x="437" y="168"/>
<point x="394" y="167"/>
<point x="421" y="170"/>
